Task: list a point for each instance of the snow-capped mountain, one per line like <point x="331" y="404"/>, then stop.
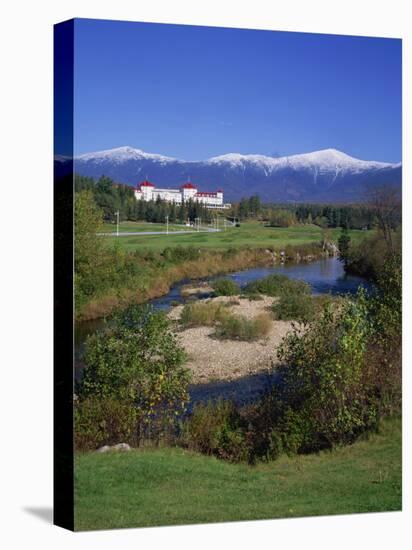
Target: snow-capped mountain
<point x="326" y="175"/>
<point x="322" y="160"/>
<point x="121" y="155"/>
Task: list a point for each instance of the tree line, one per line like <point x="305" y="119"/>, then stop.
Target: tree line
<point x="368" y="258"/>
<point x="355" y="216"/>
<point x="113" y="197"/>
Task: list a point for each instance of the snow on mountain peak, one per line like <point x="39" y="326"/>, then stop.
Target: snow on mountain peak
<point x="332" y="158"/>
<point x="324" y="175"/>
<point x="325" y="160"/>
<point x="237" y="158"/>
<point x="122" y="154"/>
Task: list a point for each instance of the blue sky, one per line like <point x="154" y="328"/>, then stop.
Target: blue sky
<point x="196" y="92"/>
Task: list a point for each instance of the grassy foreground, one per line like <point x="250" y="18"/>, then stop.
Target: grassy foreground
<point x="171" y="486"/>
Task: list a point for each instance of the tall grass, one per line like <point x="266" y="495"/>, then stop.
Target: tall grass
<point x="225" y="287"/>
<point x="213" y="429"/>
<point x="293" y="306"/>
<point x="301" y="307"/>
<point x="157" y="271"/>
<point x="276" y="285"/>
<point x="236" y="327"/>
<point x="228" y="326"/>
<point x="202" y="314"/>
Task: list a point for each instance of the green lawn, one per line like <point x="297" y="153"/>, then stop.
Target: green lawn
<point x="141" y="227"/>
<point x="252" y="234"/>
<point x="172" y="486"/>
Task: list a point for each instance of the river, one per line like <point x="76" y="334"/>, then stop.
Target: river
<point x="323" y="276"/>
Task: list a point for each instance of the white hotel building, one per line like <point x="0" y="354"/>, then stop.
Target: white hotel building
<point x="148" y="192"/>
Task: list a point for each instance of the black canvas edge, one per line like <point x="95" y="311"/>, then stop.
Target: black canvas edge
<point x="63" y="379"/>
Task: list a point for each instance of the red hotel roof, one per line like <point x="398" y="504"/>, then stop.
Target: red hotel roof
<point x="146" y="184"/>
<point x="188" y="186"/>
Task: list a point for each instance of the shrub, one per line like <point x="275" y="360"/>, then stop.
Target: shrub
<point x="282" y="218"/>
<point x="88" y="220"/>
<point x="293" y="306"/>
<point x="215" y="429"/>
<point x="386" y="304"/>
<point x="374" y="258"/>
<point x="234" y="327"/>
<point x="225" y="287"/>
<point x="138" y="360"/>
<point x="231" y="432"/>
<point x="322" y="391"/>
<point x="275" y="445"/>
<point x="369" y="257"/>
<point x="202" y="314"/>
<point x="276" y="285"/>
<point x="385" y="345"/>
<point x="105" y="422"/>
<point x="301" y="307"/>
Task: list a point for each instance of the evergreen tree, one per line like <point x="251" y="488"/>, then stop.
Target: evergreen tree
<point x="172" y="213"/>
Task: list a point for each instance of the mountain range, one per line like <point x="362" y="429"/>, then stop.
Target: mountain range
<point x="321" y="176"/>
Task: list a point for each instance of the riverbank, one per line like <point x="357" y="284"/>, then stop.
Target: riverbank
<point x="325" y="276"/>
<point x="159" y="271"/>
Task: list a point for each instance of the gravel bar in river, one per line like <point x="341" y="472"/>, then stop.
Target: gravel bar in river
<point x="210" y="359"/>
